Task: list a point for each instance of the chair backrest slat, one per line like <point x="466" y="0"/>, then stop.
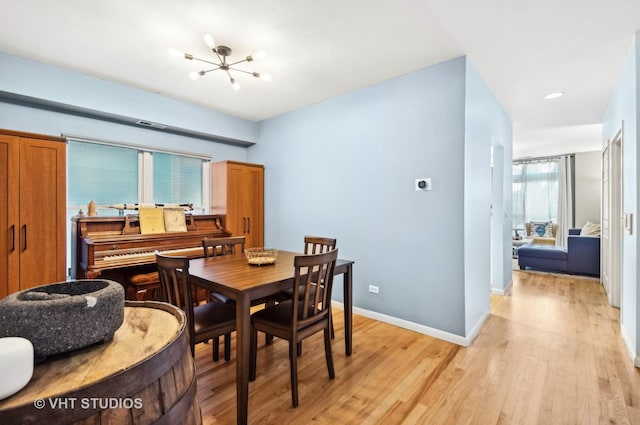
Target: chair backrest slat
<point x="175" y="286"/>
<point x="318" y="244"/>
<point x="227" y="245"/>
<point x="314" y="276"/>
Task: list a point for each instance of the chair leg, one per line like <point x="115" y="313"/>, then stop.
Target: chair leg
<point x="328" y="354"/>
<point x="333" y="332"/>
<point x="268" y="338"/>
<point x="293" y="360"/>
<point x="299" y="348"/>
<point x="227" y="347"/>
<point x="253" y="354"/>
<point x="216" y="349"/>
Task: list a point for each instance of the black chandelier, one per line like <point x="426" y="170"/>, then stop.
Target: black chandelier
<point x="222" y="53"/>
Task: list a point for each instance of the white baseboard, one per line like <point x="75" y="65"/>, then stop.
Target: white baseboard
<point x="425" y="330"/>
<point x="476" y="329"/>
<point x="504" y="291"/>
<point x="630" y="350"/>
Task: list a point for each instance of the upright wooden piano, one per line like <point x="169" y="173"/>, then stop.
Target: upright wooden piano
<point x="113" y="247"/>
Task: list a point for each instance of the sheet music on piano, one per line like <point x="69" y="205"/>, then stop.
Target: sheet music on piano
<point x="174" y="220"/>
<point x="151" y="220"/>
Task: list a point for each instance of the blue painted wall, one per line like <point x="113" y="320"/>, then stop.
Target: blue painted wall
<point x="34" y="79"/>
<point x="486" y="126"/>
<point x="22" y="118"/>
<point x="623" y="106"/>
<point x="346" y="168"/>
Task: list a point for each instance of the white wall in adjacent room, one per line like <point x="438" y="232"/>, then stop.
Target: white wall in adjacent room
<point x="588" y="187"/>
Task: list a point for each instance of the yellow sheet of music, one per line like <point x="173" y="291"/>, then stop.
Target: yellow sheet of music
<point x="151" y="220"/>
<point x="174" y="220"/>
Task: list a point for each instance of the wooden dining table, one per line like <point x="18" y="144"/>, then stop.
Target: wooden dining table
<point x="232" y="276"/>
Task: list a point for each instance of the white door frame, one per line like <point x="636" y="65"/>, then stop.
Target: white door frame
<point x="605" y="215"/>
<point x="612" y="251"/>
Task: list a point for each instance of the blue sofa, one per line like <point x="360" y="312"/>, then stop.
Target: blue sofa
<point x="581" y="256"/>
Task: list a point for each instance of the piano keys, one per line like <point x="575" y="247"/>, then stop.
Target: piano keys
<point x="113" y="247"/>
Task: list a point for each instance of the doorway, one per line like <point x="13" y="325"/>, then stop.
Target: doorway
<point x="612" y="223"/>
<point x="500" y="270"/>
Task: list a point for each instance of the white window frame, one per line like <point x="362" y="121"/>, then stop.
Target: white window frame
<point x="145" y="169"/>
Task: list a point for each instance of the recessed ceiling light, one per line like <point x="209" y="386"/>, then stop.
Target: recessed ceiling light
<point x="554" y="95"/>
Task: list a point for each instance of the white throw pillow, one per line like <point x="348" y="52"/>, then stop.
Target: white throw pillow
<point x="590" y="229"/>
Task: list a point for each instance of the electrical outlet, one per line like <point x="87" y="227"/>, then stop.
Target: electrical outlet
<point x="374" y="289"/>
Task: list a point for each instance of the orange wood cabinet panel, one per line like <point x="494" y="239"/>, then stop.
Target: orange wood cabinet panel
<point x="32" y="210"/>
<point x="9" y="214"/>
<point x="237" y="190"/>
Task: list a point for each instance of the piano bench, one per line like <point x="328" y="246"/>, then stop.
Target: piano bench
<point x="146" y="286"/>
<point x="143" y="286"/>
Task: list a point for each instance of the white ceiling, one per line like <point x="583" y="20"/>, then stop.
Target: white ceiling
<point x="320" y="49"/>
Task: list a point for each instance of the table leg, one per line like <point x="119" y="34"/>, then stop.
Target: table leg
<point x="243" y="330"/>
<point x="348" y="310"/>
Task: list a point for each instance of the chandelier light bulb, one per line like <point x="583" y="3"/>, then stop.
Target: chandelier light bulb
<point x="234" y="84"/>
<point x="194" y="75"/>
<point x="259" y="55"/>
<point x="554" y="95"/>
<point x="209" y="41"/>
<point x="175" y="53"/>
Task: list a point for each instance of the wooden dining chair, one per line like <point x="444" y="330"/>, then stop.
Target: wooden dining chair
<point x="318" y="244"/>
<point x="305" y="314"/>
<point x="206" y="321"/>
<point x="222" y="246"/>
<point x="312" y="245"/>
<point x="212" y="247"/>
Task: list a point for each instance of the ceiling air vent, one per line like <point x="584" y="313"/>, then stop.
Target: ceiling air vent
<point x="151" y="124"/>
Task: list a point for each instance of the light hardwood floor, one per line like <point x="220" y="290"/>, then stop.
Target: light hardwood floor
<point x="550" y="353"/>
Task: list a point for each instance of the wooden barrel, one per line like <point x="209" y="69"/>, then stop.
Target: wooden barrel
<point x="145" y="375"/>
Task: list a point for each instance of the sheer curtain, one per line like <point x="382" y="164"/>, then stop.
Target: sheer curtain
<point x="565" y="200"/>
<point x="535" y="191"/>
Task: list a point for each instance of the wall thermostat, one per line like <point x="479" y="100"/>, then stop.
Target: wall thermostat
<point x="423" y="184"/>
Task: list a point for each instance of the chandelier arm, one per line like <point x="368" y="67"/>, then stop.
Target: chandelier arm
<point x="206" y="61"/>
<point x="212" y="69"/>
<point x="221" y="58"/>
<point x="235" y="63"/>
<point x="241" y="70"/>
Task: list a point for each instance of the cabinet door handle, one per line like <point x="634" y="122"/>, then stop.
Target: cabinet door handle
<point x="24" y="233"/>
<point x="244" y="224"/>
<point x="13" y="238"/>
<point x="248" y="224"/>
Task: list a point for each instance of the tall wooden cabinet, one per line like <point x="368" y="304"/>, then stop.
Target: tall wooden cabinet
<point x="237" y="190"/>
<point x="32" y="210"/>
